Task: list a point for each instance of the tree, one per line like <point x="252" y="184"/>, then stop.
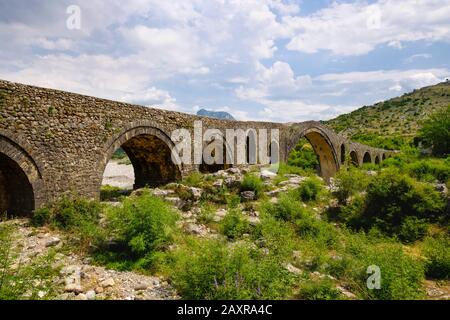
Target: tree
<point x="436" y="131"/>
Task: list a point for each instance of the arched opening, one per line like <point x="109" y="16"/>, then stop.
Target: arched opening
<point x="377" y="160"/>
<point x="367" y="158"/>
<point x="327" y="161"/>
<point x="214" y="167"/>
<point x="143" y="160"/>
<point x="384" y="157"/>
<point x="354" y="158"/>
<point x="251" y="148"/>
<point x="342" y="153"/>
<point x="16" y="191"/>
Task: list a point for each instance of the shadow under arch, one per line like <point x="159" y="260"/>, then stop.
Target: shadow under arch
<point x="342" y="153"/>
<point x="150" y="152"/>
<point x="21" y="183"/>
<point x="367" y="158"/>
<point x="354" y="158"/>
<point x="377" y="160"/>
<point x="323" y="148"/>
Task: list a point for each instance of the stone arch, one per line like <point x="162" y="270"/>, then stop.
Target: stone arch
<point x="367" y="158"/>
<point x="383" y="157"/>
<point x="21" y="183"/>
<point x="150" y="151"/>
<point x="251" y="146"/>
<point x="323" y="148"/>
<point x="227" y="157"/>
<point x="342" y="153"/>
<point x="354" y="158"/>
<point x="377" y="160"/>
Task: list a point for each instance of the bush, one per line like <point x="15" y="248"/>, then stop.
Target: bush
<point x="429" y="170"/>
<point x="437" y="252"/>
<point x="412" y="229"/>
<point x="234" y="225"/>
<point x="288" y="208"/>
<point x="392" y="197"/>
<point x="209" y="269"/>
<point x="319" y="290"/>
<point x="252" y="183"/>
<point x="309" y="189"/>
<point x="79" y="216"/>
<point x="194" y="179"/>
<point x="401" y="274"/>
<point x="303" y="156"/>
<point x="109" y="193"/>
<point x="436" y="131"/>
<point x="322" y="233"/>
<point x="141" y="227"/>
<point x="348" y="182"/>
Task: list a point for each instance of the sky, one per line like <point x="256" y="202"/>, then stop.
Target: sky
<point x="264" y="60"/>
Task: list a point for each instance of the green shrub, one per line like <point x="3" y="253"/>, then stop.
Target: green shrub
<point x="321" y="232"/>
<point x="401" y="274"/>
<point x="436" y="131"/>
<point x="319" y="290"/>
<point x="288" y="208"/>
<point x="40" y="217"/>
<point x="412" y="229"/>
<point x="140" y="227"/>
<point x="303" y="156"/>
<point x="234" y="225"/>
<point x="209" y="269"/>
<point x="252" y="183"/>
<point x="429" y="170"/>
<point x="194" y="179"/>
<point x="109" y="193"/>
<point x="437" y="252"/>
<point x="391" y="197"/>
<point x="348" y="182"/>
<point x="207" y="213"/>
<point x="309" y="189"/>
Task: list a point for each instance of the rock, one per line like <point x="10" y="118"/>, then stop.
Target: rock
<point x="267" y="175"/>
<point x="219" y="215"/>
<point x="193" y="228"/>
<point x="41" y="294"/>
<point x="72" y="280"/>
<point x="233" y="182"/>
<point x="81" y="296"/>
<point x="433" y="292"/>
<point x="196" y="193"/>
<point x="253" y="220"/>
<point x="346" y="293"/>
<point x="108" y="283"/>
<point x="289" y="267"/>
<point x="234" y="171"/>
<point x="53" y="241"/>
<point x="371" y="173"/>
<point x="218" y="183"/>
<point x="162" y="193"/>
<point x="276" y="192"/>
<point x="139" y="192"/>
<point x="177" y="202"/>
<point x="441" y="188"/>
<point x="248" y="195"/>
<point x="141" y="286"/>
<point x="99" y="290"/>
<point x="294" y="181"/>
<point x="90" y="295"/>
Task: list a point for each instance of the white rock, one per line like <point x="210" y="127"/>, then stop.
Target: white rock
<point x="108" y="283"/>
<point x="90" y="295"/>
<point x="53" y="241"/>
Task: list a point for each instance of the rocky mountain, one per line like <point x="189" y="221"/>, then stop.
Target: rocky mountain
<point x="397" y="117"/>
<point x="215" y="114"/>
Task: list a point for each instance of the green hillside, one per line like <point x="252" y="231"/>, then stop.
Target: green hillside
<point x="390" y="123"/>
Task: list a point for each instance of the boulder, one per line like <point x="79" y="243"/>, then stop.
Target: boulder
<point x="248" y="195"/>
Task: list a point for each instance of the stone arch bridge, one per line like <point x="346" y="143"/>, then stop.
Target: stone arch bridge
<point x="54" y="142"/>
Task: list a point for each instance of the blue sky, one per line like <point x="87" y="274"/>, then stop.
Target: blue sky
<point x="269" y="60"/>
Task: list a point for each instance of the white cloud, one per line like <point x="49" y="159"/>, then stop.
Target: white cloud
<point x="347" y="28"/>
<point x="152" y="97"/>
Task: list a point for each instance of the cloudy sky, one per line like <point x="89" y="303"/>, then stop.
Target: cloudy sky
<point x="277" y="60"/>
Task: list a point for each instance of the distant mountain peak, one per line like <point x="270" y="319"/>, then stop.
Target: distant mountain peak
<point x="215" y="114"/>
